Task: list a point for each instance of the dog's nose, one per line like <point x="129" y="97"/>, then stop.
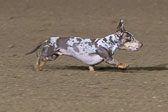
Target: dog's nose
<point x="141" y="44"/>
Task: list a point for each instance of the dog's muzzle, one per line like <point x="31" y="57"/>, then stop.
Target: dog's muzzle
<point x="133" y="46"/>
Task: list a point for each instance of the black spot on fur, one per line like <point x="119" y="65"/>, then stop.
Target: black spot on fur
<point x="78" y="39"/>
<point x="105" y="39"/>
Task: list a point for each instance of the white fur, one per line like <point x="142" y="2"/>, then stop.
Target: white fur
<point x="53" y="41"/>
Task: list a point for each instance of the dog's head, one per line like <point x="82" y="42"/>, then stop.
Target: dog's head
<point x="127" y="40"/>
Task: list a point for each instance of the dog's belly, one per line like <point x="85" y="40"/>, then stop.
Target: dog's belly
<point x="87" y="58"/>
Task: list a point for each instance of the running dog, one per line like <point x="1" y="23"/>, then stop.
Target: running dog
<point x="89" y="51"/>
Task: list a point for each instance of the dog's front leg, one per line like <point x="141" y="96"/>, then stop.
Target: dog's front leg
<point x="106" y="55"/>
<point x="91" y="68"/>
<point x="113" y="61"/>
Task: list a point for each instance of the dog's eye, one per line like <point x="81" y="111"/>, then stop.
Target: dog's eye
<point x="128" y="39"/>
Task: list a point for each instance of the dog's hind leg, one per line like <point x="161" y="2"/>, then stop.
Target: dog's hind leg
<point x="37" y="63"/>
<point x="36" y="66"/>
<point x="45" y="59"/>
<point x="42" y="63"/>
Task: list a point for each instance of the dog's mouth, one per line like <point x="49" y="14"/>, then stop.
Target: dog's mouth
<point x="132" y="48"/>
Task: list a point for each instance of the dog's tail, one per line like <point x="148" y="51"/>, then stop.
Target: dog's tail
<point x="38" y="46"/>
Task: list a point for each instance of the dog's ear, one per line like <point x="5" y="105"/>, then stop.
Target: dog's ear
<point x="120" y="28"/>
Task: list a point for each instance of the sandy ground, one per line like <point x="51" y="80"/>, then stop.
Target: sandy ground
<point x="66" y="85"/>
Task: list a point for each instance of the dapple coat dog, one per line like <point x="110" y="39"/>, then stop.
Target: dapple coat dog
<point x="89" y="51"/>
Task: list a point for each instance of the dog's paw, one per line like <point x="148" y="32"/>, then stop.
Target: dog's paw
<point x="37" y="68"/>
<point x="122" y="66"/>
<point x="91" y="69"/>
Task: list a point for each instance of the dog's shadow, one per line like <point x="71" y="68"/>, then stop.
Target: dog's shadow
<point x="161" y="67"/>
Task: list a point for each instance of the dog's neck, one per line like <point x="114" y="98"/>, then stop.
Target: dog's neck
<point x="110" y="42"/>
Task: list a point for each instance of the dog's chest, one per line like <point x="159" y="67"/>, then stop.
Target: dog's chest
<point x="110" y="42"/>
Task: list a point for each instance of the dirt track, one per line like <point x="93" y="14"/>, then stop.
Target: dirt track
<point x="66" y="85"/>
